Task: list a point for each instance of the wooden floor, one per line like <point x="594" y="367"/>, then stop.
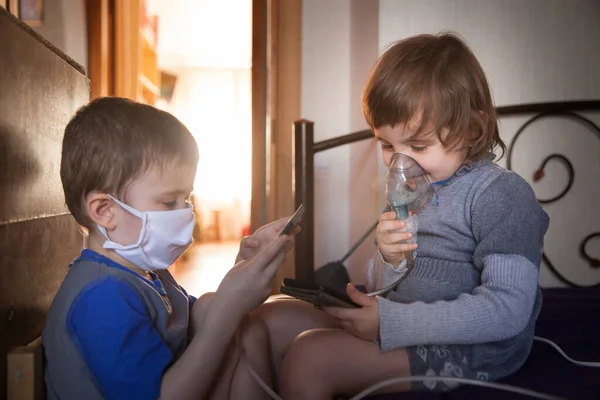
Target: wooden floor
<point x="204" y="265"/>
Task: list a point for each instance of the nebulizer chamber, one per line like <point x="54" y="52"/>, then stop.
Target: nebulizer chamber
<point x="408" y="191"/>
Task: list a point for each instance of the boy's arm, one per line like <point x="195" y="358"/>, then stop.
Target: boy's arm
<point x="245" y="286"/>
<point x="193" y="374"/>
<point x="509" y="226"/>
<point x="251" y="245"/>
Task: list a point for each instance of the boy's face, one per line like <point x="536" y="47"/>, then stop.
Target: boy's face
<point x="157" y="190"/>
<point x="439" y="163"/>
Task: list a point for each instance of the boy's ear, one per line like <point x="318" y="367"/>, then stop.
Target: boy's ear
<point x="101" y="209"/>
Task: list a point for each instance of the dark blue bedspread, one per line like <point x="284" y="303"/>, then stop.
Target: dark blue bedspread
<point x="571" y="319"/>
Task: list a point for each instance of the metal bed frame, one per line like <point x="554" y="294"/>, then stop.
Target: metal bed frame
<point x="305" y="148"/>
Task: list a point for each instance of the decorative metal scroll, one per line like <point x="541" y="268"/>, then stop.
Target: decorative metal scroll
<point x="539" y="174"/>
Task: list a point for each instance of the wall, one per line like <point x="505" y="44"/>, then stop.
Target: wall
<point x="532" y="51"/>
<point x="325" y="94"/>
<point x="65" y="27"/>
<point x="339" y="44"/>
<point x="365" y="155"/>
<point x="39" y="91"/>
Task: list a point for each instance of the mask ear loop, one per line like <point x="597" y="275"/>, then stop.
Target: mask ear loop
<point x="136" y="213"/>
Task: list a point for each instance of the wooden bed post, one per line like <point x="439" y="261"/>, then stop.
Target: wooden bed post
<point x="303" y="186"/>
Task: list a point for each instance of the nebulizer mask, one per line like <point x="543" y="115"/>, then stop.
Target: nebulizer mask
<point x="407" y="187"/>
<point x="408" y="191"/>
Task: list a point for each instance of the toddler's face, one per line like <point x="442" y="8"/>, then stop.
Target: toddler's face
<point x="157" y="190"/>
<point x="438" y="162"/>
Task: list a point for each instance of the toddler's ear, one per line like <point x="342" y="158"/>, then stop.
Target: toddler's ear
<point x="483" y="115"/>
<point x="101" y="209"/>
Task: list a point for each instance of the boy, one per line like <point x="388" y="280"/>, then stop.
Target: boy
<point x="120" y="326"/>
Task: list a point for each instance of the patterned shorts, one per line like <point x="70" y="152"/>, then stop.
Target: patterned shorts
<point x="444" y="361"/>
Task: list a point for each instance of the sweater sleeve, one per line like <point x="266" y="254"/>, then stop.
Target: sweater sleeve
<point x="508" y="225"/>
<point x="381" y="274"/>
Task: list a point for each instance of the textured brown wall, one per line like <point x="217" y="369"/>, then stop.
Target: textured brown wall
<point x="40" y="89"/>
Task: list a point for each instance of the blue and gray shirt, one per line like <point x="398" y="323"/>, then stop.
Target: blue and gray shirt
<point x="110" y="333"/>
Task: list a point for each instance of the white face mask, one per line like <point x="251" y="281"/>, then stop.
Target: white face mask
<point x="165" y="235"/>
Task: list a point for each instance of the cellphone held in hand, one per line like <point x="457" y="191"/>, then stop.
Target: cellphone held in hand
<point x="293" y="221"/>
<point x="316" y="294"/>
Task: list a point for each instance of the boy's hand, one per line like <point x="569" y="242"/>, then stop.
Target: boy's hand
<point x="391" y="241"/>
<point x="361" y="322"/>
<point x="249" y="282"/>
<point x="251" y="245"/>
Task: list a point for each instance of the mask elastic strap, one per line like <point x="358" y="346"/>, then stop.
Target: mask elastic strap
<point x="131" y="210"/>
<point x="103" y="231"/>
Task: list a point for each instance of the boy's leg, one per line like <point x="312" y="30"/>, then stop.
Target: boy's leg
<point x="285" y="319"/>
<point x="324" y="363"/>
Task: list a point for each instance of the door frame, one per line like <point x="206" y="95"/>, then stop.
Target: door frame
<point x="276" y="104"/>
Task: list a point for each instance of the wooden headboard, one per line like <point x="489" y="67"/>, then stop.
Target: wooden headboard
<point x="40" y="89"/>
<point x="305" y="148"/>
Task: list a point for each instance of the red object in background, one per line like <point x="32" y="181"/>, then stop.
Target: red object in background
<point x="246" y="231"/>
<point x="149" y="25"/>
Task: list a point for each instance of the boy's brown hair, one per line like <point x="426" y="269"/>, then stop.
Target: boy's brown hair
<point x="111" y="141"/>
<point x="436" y="80"/>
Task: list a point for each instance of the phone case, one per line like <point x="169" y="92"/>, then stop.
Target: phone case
<point x="293" y="221"/>
<point x="314" y="294"/>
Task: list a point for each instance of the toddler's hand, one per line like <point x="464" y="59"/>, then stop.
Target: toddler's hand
<point x="392" y="240"/>
<point x="249" y="282"/>
<point x="251" y="245"/>
<point x="361" y="322"/>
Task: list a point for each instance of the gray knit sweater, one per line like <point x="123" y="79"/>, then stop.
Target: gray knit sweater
<point x="475" y="278"/>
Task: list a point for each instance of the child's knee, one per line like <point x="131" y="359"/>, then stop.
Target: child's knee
<point x="304" y="354"/>
<point x="269" y="309"/>
<point x="203" y="302"/>
<point x="253" y="334"/>
<point x="274" y="315"/>
<point x="205" y="299"/>
<point x="198" y="312"/>
<point x="304" y="366"/>
<point x="292" y="316"/>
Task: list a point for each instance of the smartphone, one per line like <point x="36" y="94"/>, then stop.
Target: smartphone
<point x="316" y="294"/>
<point x="293" y="221"/>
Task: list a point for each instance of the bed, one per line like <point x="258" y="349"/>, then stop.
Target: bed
<point x="570" y="316"/>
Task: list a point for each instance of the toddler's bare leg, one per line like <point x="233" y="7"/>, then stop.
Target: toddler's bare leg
<point x="233" y="380"/>
<point x="323" y="363"/>
<point x="285" y="319"/>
